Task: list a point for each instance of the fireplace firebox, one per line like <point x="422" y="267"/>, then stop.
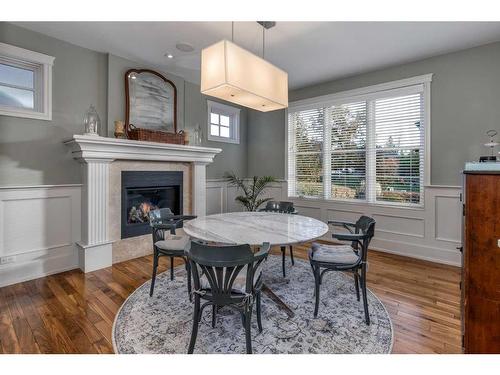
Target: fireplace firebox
<point x="143" y="191"/>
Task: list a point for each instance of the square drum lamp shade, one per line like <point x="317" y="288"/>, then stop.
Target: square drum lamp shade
<point x="236" y="75"/>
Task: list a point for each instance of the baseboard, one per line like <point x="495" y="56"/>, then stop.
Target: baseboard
<point x="438" y="260"/>
<point x="39" y="267"/>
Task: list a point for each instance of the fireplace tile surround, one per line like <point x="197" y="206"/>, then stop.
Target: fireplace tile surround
<point x="133" y="247"/>
<point x="102" y="161"/>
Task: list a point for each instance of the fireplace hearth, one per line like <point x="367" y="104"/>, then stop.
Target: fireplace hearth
<point x="143" y="191"/>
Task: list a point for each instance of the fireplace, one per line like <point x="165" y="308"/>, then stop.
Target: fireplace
<point x="143" y="191"/>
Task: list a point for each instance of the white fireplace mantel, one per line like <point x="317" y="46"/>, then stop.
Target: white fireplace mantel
<point x="96" y="154"/>
<point x="88" y="147"/>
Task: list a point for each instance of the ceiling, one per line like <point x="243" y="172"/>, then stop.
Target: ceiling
<point x="311" y="52"/>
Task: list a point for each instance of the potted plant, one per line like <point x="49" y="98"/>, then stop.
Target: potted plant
<point x="252" y="191"/>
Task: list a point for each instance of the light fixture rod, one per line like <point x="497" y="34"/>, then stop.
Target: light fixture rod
<point x="265" y="26"/>
<point x="232" y="31"/>
<point x="263" y="42"/>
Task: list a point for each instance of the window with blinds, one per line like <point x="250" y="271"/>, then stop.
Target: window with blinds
<point x="370" y="148"/>
<point x="399" y="146"/>
<point x="346" y="125"/>
<point x="306" y="154"/>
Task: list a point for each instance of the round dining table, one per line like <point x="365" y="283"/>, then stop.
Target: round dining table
<point x="255" y="228"/>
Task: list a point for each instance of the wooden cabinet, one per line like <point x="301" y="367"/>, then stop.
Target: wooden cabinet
<point x="481" y="263"/>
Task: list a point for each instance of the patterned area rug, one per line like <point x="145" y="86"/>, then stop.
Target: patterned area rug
<point x="162" y="323"/>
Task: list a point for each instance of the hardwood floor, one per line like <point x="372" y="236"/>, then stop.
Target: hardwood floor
<point x="73" y="312"/>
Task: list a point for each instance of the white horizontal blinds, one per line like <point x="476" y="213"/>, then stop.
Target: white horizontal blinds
<point x="347" y="126"/>
<point x="399" y="143"/>
<point x="368" y="147"/>
<point x="306" y="139"/>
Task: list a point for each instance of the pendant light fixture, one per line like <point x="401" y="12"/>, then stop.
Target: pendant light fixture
<point x="236" y="75"/>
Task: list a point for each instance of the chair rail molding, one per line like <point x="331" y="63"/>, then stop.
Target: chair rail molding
<point x="96" y="153"/>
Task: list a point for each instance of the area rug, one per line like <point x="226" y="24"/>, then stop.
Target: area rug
<point x="162" y="323"/>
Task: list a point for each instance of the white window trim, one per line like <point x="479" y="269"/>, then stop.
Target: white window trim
<point x="342" y="97"/>
<point x="43" y="84"/>
<point x="234" y="127"/>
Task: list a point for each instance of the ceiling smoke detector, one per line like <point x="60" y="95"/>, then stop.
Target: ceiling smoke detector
<point x="184" y="47"/>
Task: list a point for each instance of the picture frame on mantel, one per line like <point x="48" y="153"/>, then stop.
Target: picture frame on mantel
<point x="151" y="107"/>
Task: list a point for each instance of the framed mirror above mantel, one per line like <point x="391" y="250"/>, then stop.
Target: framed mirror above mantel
<point x="150" y="101"/>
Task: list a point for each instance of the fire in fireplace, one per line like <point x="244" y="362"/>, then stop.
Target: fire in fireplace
<point x="144" y="191"/>
<point x="141" y="201"/>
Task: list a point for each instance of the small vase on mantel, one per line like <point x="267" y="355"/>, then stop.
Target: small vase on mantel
<point x="92" y="122"/>
<point x="197" y="135"/>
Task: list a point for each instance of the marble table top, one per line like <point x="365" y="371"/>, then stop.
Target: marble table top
<point x="254" y="228"/>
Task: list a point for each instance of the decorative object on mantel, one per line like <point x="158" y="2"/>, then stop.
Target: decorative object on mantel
<point x="197" y="135"/>
<point x="151" y="107"/>
<point x="491" y="144"/>
<point x="140" y="134"/>
<point x="92" y="122"/>
<point x="236" y="75"/>
<point x="186" y="137"/>
<point x="250" y="200"/>
<point x="119" y="129"/>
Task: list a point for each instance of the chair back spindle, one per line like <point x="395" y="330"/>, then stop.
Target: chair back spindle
<point x="221" y="266"/>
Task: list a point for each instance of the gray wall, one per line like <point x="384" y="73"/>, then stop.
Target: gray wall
<point x="31" y="151"/>
<point x="465" y="103"/>
<point x="266" y="143"/>
<point x="234" y="156"/>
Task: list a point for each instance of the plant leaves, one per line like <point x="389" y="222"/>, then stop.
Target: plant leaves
<point x="250" y="200"/>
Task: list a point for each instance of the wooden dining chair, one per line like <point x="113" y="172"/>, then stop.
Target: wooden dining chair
<point x="284" y="208"/>
<point x="351" y="258"/>
<point x="168" y="244"/>
<point x="226" y="276"/>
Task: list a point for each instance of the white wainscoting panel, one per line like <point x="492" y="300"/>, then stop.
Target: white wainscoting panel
<point x="216" y="197"/>
<point x="39" y="228"/>
<point x="221" y="196"/>
<point x="430" y="233"/>
<point x="400" y="225"/>
<point x="446" y="224"/>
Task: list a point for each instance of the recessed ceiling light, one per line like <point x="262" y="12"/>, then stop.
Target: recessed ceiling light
<point x="169" y="55"/>
<point x="184" y="47"/>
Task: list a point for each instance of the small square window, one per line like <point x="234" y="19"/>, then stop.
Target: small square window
<point x="25" y="83"/>
<point x="223" y="123"/>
